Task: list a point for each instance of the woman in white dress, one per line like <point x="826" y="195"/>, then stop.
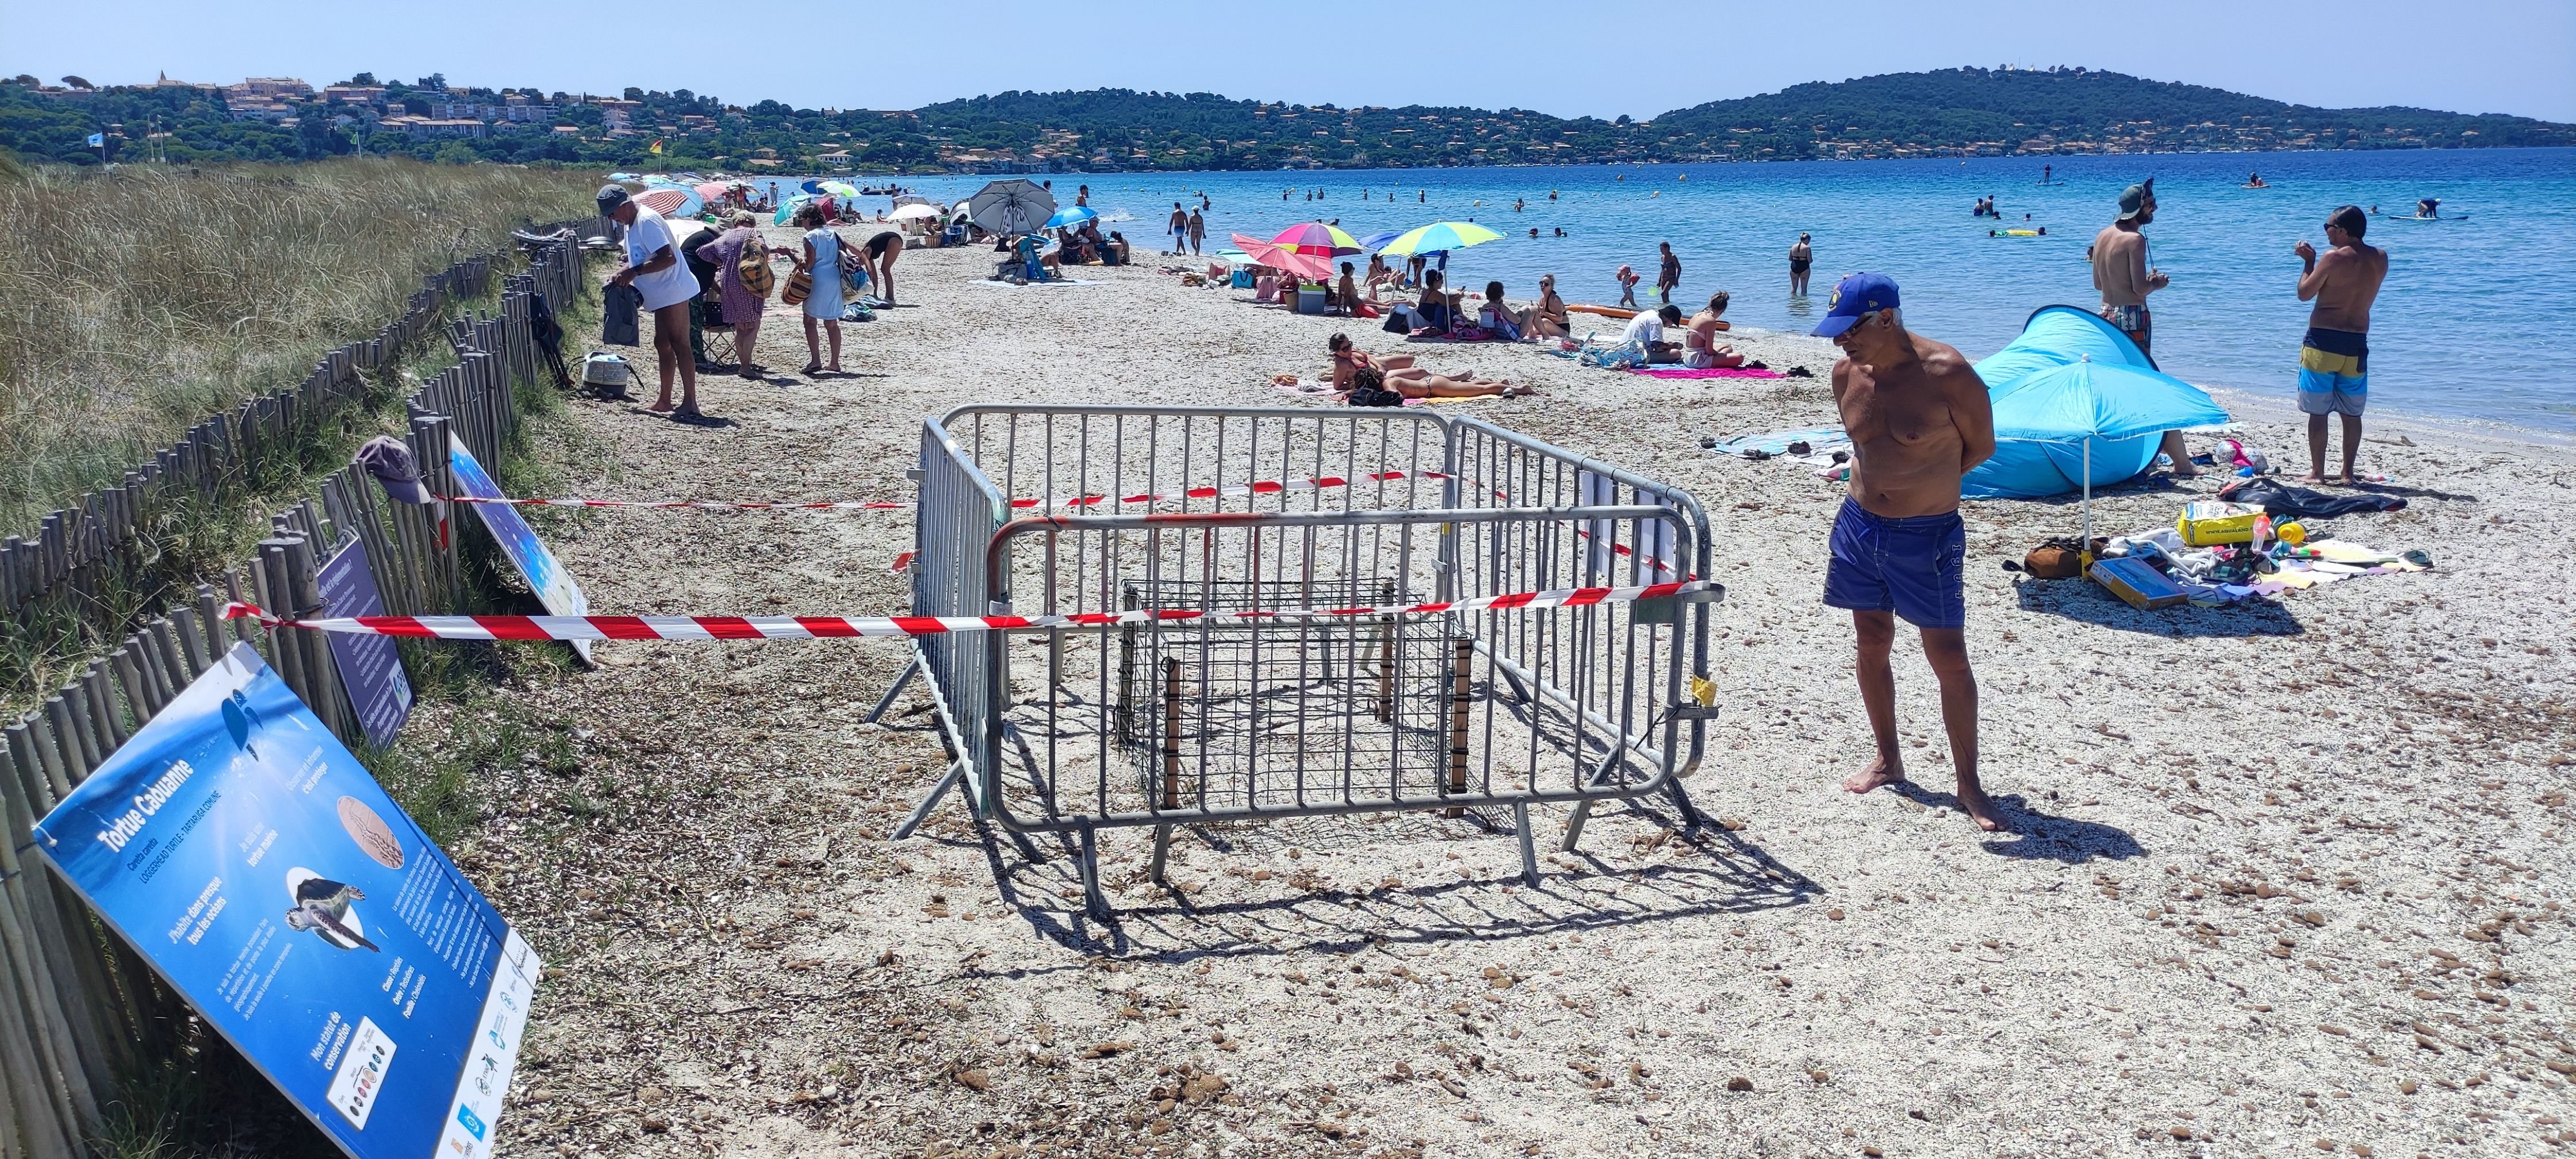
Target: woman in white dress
<point x="821" y="261"/>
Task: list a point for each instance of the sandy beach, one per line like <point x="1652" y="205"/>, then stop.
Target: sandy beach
<point x="2279" y="880"/>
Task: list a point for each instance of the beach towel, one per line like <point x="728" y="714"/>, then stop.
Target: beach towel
<point x="1714" y="372"/>
<point x="1777" y="442"/>
<point x="1625" y="355"/>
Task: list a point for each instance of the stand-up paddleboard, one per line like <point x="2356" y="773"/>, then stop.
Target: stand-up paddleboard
<point x="2265" y="185"/>
<point x="2412" y="217"/>
<point x="1604" y="311"/>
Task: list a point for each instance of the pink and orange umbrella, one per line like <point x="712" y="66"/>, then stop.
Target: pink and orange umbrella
<point x="1279" y="257"/>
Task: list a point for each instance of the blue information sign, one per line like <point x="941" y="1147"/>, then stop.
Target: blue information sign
<point x="370" y="666"/>
<point x="239" y="848"/>
<point x="545" y="574"/>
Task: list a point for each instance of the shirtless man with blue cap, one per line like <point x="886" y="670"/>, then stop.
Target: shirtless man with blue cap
<point x="1919" y="419"/>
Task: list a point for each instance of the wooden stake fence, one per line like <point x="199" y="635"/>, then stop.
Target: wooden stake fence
<point x="79" y="1010"/>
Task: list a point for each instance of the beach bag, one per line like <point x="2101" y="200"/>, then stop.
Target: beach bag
<point x="1396" y="320"/>
<point x="2059" y="558"/>
<point x="800" y="286"/>
<point x="1380" y="396"/>
<point x="617" y="324"/>
<point x="753" y="267"/>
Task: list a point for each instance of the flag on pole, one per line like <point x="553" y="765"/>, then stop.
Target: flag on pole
<point x="98" y="140"/>
<point x="657" y="148"/>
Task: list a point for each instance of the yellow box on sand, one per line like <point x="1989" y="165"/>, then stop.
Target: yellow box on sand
<point x="2209" y="521"/>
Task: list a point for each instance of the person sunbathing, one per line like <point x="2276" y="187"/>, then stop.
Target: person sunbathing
<point x="1409" y="380"/>
<point x="1700" y="348"/>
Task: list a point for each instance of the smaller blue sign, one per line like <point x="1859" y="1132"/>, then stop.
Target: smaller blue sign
<point x="370" y="666"/>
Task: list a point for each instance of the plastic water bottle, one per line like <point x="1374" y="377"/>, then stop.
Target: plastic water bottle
<point x="2262" y="533"/>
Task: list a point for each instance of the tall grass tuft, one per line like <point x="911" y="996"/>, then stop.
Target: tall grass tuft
<point x="142" y="299"/>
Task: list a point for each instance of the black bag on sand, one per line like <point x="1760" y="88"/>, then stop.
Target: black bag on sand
<point x="1374" y="396"/>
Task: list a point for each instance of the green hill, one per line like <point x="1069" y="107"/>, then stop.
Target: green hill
<point x="1975" y="110"/>
<point x="1953" y="112"/>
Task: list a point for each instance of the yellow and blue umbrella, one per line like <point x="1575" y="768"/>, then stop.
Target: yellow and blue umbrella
<point x="1441" y="236"/>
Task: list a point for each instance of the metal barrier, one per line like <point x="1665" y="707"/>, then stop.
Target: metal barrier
<point x="1165" y="724"/>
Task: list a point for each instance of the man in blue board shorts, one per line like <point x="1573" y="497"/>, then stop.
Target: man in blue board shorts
<point x="2334" y="359"/>
<point x="1919" y="419"/>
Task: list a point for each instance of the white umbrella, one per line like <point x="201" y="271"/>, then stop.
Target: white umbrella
<point x="1011" y="206"/>
<point x="909" y="212"/>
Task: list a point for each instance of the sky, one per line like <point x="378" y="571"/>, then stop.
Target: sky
<point x="2474" y="56"/>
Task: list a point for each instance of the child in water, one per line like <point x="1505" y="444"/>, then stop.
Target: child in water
<point x="1628" y="280"/>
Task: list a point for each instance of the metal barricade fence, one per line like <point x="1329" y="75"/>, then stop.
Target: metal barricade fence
<point x="1072" y="510"/>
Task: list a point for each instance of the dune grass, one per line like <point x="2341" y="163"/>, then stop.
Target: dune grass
<point x="143" y="299"/>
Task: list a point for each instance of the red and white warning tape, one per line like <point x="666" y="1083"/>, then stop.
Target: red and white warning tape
<point x="1258" y="487"/>
<point x="836" y="627"/>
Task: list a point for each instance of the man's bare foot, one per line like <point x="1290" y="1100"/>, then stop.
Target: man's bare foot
<point x="1979" y="808"/>
<point x="2345" y="480"/>
<point x="662" y="407"/>
<point x="1882" y="772"/>
<point x="2184" y="470"/>
<point x="2313" y="477"/>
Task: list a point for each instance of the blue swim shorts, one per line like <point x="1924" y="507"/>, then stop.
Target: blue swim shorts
<point x="1913" y="567"/>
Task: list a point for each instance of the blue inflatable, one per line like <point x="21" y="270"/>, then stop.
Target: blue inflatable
<point x="2069" y="379"/>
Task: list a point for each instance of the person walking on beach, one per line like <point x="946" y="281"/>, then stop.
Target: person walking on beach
<point x="653" y="269"/>
<point x="1919" y="419"/>
<point x="1801" y="257"/>
<point x="1669" y="278"/>
<point x="1180" y="230"/>
<point x="2124" y="277"/>
<point x="1628" y="287"/>
<point x="2334" y="358"/>
<point x="1198" y="231"/>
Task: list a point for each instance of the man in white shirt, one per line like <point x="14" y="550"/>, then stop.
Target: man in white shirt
<point x="1647" y="331"/>
<point x="653" y="269"/>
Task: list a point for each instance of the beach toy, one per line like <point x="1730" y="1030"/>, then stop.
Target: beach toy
<point x="2208" y="522"/>
<point x="2292" y="532"/>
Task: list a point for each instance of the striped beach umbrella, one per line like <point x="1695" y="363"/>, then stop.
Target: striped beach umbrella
<point x="1441" y="236"/>
<point x="1316" y="240"/>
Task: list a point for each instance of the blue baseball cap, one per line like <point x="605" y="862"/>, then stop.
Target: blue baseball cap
<point x="1854" y="296"/>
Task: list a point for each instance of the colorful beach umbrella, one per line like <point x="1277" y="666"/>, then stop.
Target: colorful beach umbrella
<point x="840" y="189"/>
<point x="1373" y="241"/>
<point x="672" y="202"/>
<point x="1316" y="239"/>
<point x="1441" y="236"/>
<point x="1072" y="215"/>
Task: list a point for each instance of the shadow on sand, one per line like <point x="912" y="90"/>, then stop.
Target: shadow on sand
<point x="2091" y="603"/>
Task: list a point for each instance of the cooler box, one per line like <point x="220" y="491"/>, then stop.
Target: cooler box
<point x="1310" y="299"/>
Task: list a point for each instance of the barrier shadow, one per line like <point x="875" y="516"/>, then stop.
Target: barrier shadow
<point x="1719" y="874"/>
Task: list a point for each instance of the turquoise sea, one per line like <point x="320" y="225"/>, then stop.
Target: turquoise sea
<point x="2473" y="323"/>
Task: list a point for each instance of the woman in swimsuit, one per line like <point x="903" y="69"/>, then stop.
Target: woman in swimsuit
<point x="1545" y="318"/>
<point x="1407" y="379"/>
<point x="1801" y="257"/>
<point x="883" y="249"/>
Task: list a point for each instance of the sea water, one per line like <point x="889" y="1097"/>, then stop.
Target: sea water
<point x="2475" y="321"/>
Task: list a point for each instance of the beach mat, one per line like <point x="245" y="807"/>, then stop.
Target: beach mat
<point x="1777" y="442"/>
<point x="1711" y="372"/>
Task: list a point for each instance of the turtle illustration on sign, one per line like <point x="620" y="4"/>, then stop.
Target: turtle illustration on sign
<point x="322" y="906"/>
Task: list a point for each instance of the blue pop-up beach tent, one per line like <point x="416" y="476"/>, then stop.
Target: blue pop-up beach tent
<point x="2073" y="398"/>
